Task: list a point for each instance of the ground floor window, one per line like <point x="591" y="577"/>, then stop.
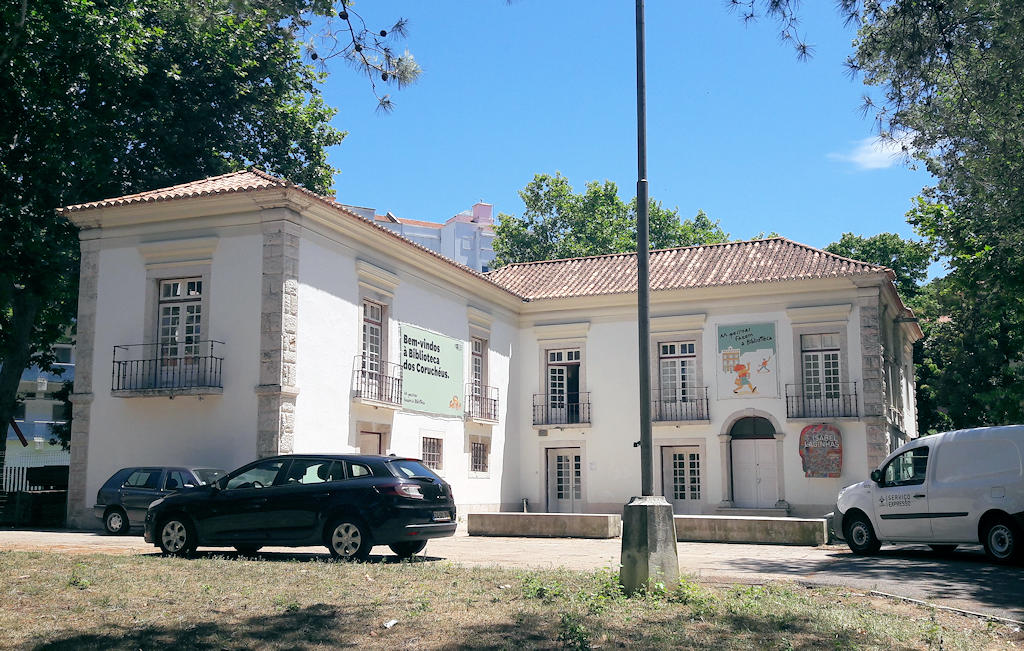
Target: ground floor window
<point x="479" y="451"/>
<point x="433" y="452"/>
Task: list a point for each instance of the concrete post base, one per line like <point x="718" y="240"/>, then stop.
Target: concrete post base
<point x="648" y="544"/>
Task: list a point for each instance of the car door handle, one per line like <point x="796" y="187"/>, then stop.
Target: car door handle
<point x="920" y="495"/>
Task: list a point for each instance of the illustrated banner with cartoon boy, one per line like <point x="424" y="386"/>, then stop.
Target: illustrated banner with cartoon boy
<point x="431" y="372"/>
<point x="747" y="361"/>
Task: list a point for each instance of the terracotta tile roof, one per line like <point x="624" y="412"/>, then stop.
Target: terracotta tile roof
<point x="416" y="222"/>
<point x="253" y="180"/>
<point x="223" y="184"/>
<point x="733" y="263"/>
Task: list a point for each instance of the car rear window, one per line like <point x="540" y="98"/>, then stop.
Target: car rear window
<point x="411" y="468"/>
<point x="208" y="475"/>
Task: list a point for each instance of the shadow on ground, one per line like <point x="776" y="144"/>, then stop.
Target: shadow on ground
<point x="303" y="557"/>
<point x="964" y="574"/>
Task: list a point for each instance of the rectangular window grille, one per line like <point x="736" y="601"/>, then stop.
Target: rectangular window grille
<point x="432" y="452"/>
<point x="478" y="456"/>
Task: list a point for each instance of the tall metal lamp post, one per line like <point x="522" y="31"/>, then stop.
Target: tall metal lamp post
<point x="648" y="529"/>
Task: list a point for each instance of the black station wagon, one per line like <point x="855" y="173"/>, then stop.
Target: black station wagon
<point x="347" y="502"/>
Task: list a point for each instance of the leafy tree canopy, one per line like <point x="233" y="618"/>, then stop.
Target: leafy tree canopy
<point x="100" y="99"/>
<point x="951" y="78"/>
<point x="909" y="259"/>
<point x="560" y="223"/>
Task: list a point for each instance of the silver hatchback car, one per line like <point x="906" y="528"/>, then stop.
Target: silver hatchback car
<point x="122" y="501"/>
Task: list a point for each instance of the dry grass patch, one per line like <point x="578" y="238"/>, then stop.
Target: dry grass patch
<point x="220" y="601"/>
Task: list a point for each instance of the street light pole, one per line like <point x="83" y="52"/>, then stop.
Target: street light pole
<point x="642" y="260"/>
<point x="648" y="526"/>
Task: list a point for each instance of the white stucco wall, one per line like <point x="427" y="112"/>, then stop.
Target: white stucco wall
<point x="329" y="331"/>
<point x="610" y="368"/>
<point x="215" y="430"/>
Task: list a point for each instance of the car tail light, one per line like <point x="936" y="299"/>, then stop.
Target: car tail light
<point x="412" y="491"/>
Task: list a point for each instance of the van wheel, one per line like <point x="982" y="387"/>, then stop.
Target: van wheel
<point x="349" y="540"/>
<point x="115" y="521"/>
<point x="1001" y="540"/>
<point x="942" y="549"/>
<point x="860" y="536"/>
<point x="407" y="549"/>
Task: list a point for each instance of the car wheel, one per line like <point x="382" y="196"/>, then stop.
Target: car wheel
<point x="248" y="550"/>
<point x="176" y="536"/>
<point x="860" y="536"/>
<point x="942" y="549"/>
<point x="1001" y="540"/>
<point x="348" y="539"/>
<point x="115" y="521"/>
<point x="407" y="549"/>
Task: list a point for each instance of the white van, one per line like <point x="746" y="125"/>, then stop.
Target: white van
<point x="943" y="490"/>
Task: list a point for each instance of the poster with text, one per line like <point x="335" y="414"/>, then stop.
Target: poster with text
<point x="431" y="372"/>
<point x="747" y="365"/>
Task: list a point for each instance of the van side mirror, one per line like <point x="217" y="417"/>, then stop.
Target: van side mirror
<point x="876" y="476"/>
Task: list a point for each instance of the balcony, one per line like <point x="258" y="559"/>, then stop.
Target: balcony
<point x="561" y="409"/>
<point x="481" y="403"/>
<point x="376" y="382"/>
<point x="167" y="369"/>
<point x="833" y="400"/>
<point x="679" y="406"/>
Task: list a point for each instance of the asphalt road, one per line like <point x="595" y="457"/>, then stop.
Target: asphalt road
<point x="963" y="579"/>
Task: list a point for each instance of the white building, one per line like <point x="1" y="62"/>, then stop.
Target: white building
<point x="467" y="238"/>
<point x="242" y="316"/>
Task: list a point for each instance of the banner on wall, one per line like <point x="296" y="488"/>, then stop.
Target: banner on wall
<point x="821" y="450"/>
<point x="431" y="372"/>
<point x="747" y="361"/>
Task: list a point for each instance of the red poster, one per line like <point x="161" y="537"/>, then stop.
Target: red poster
<point x="821" y="450"/>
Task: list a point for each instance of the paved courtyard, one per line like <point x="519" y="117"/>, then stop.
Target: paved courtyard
<point x="964" y="579"/>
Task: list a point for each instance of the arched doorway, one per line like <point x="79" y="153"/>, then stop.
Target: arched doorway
<point x="754" y="464"/>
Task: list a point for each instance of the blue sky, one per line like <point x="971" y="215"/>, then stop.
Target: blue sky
<point x="737" y="126"/>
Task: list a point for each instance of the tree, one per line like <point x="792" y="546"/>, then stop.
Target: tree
<point x="559" y="223"/>
<point x="909" y="259"/>
<point x="101" y="99"/>
<point x="952" y="79"/>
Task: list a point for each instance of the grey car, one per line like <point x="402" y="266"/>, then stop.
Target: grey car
<point x="122" y="501"/>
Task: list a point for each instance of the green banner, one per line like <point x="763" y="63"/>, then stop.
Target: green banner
<point x="431" y="372"/>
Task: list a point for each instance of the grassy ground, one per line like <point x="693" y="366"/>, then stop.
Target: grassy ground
<point x="52" y="601"/>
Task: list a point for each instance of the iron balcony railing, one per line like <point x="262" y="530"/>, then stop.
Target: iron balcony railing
<point x="688" y="404"/>
<point x="375" y="380"/>
<point x="561" y="409"/>
<point x="481" y="401"/>
<point x="141" y="367"/>
<point x="832" y="400"/>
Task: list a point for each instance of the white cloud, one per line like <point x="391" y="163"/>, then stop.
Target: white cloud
<point x="872" y="153"/>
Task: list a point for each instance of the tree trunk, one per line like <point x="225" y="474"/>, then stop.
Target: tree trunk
<point x="24" y="308"/>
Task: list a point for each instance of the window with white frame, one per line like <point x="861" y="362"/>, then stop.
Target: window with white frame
<point x="180" y="317"/>
<point x="373" y="336"/>
<point x="677" y="363"/>
<point x="820" y="365"/>
<point x="478" y="368"/>
<point x="479" y="451"/>
<point x="433" y="452"/>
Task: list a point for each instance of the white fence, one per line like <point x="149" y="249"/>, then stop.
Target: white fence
<point x="16" y="468"/>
